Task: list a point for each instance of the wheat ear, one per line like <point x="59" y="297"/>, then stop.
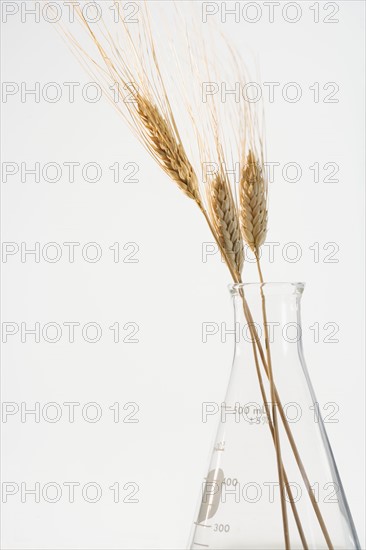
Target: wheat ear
<point x="159" y="137"/>
<point x="226" y="221"/>
<point x="253" y="204"/>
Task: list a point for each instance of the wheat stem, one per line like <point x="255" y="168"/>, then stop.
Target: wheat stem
<point x="271" y="427"/>
<point x="277" y="440"/>
<point x="290" y="437"/>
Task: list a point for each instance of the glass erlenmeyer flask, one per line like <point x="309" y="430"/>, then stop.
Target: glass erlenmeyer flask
<point x="240" y="499"/>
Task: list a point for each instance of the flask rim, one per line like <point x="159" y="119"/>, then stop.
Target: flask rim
<point x="269" y="288"/>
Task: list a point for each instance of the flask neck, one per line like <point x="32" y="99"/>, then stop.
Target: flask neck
<point x="268" y="311"/>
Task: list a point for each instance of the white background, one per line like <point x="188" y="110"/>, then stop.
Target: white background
<point x="170" y="291"/>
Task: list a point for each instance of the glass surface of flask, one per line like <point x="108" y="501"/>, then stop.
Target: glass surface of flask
<point x="240" y="504"/>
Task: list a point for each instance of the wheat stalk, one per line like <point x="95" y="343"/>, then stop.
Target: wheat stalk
<point x="253" y="220"/>
<point x="154" y="123"/>
<point x="226" y="221"/>
<point x="253" y="204"/>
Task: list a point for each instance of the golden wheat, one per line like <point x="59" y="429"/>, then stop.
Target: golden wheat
<point x="152" y="119"/>
<point x="253" y="204"/>
<point x="166" y="149"/>
<point x="226" y="221"/>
